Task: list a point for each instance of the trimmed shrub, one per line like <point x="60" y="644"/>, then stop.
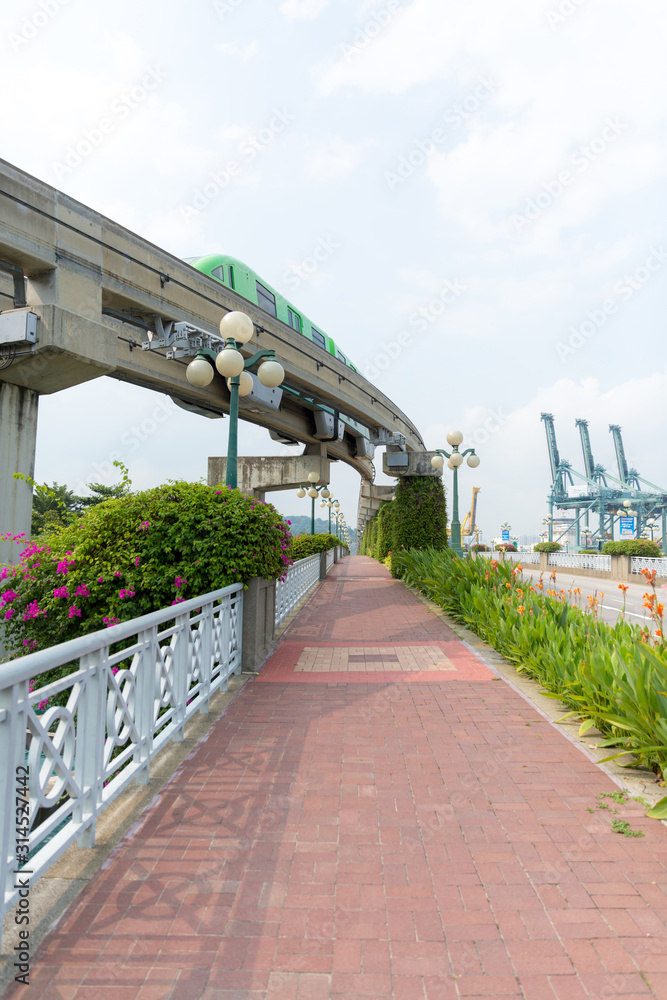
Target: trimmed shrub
<point x="386" y="517"/>
<point x="302" y="546"/>
<point x="479" y="548"/>
<point x="507" y="547"/>
<point x="547" y="547"/>
<point x="420" y="516"/>
<point x="588" y="552"/>
<point x="632" y="547"/>
<point x="127" y="557"/>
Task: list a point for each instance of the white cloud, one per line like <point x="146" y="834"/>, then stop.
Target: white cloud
<point x="295" y="10"/>
<point x="334" y="159"/>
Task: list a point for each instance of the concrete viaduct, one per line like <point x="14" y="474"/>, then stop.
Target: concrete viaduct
<point x="98" y="290"/>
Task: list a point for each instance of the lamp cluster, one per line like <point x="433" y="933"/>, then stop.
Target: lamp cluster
<point x="236" y="329"/>
<point x="327" y="501"/>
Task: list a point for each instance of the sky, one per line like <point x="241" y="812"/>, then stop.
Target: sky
<point x="484" y="178"/>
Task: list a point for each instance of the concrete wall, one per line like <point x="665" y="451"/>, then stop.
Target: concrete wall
<point x="18" y="431"/>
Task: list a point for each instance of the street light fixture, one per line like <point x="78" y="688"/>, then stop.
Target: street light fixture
<point x="454" y="460"/>
<point x="313" y="492"/>
<point x="236" y="329"/>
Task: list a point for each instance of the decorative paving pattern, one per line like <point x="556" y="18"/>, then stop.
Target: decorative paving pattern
<point x="386" y="658"/>
<point x="382" y="663"/>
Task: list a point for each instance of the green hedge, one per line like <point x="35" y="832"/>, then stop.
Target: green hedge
<point x="547" y="547"/>
<point x="632" y="547"/>
<point x="420" y="519"/>
<point x="612" y="676"/>
<point x="126" y="557"/>
<point x="308" y="545"/>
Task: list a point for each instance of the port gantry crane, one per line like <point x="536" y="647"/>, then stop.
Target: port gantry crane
<point x="602" y="493"/>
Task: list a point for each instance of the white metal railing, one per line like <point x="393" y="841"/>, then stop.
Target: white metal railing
<point x="330" y="558"/>
<point x="527" y="557"/>
<point x="638" y="563"/>
<point x="108" y="716"/>
<point x="300" y="577"/>
<point x="572" y="560"/>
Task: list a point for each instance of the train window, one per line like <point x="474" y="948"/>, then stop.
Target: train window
<point x="341" y="357"/>
<point x="294" y="320"/>
<point x="266" y="300"/>
<point x="319" y="338"/>
<point x="231" y="276"/>
<point x="219" y="273"/>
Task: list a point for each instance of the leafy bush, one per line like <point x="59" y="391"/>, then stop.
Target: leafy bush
<point x="135" y="554"/>
<point x="588" y="552"/>
<point x="632" y="547"/>
<point x="547" y="547"/>
<point x="609" y="675"/>
<point x="420" y="517"/>
<point x="308" y="545"/>
<point x="386" y="518"/>
<point x="506" y="547"/>
<point x="479" y="548"/>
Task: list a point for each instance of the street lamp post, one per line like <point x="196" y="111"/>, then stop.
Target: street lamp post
<point x="236" y="329"/>
<point x="454" y="460"/>
<point x="313" y="492"/>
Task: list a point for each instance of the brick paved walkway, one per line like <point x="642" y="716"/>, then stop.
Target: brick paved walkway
<point x="420" y="834"/>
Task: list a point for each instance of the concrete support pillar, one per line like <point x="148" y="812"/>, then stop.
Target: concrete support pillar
<point x="323" y="565"/>
<point x="18" y="434"/>
<point x="544" y="562"/>
<point x="259" y="629"/>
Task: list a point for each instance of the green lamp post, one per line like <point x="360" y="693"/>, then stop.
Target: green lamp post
<point x="236" y="329"/>
<point x="313" y="492"/>
<point x="454" y="460"/>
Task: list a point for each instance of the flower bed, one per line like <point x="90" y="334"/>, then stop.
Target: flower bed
<point x="614" y="677"/>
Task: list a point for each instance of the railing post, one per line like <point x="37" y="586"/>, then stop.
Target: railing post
<point x="91" y="734"/>
<point x="323" y="565"/>
<point x="180" y="673"/>
<point x="13" y="727"/>
<point x="205" y="654"/>
<point x="147" y="687"/>
<point x="544" y="562"/>
<point x="259" y="614"/>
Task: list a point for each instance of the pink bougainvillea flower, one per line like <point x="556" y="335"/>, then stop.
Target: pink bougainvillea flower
<point x="63" y="567"/>
<point x="8" y="597"/>
<point x="100" y="579"/>
<point x="111" y="621"/>
<point x="137" y="560"/>
<point x="178" y="600"/>
<point x="117" y="573"/>
<point x="82" y="590"/>
<point x="8" y="614"/>
<point x="74" y="612"/>
<point x="145" y="525"/>
<point x="126" y="593"/>
<point x="32" y="611"/>
<point x="179" y="582"/>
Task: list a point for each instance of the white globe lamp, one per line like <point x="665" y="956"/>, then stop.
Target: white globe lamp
<point x="238" y="326"/>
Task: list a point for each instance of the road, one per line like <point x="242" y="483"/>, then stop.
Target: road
<point x="612" y="599"/>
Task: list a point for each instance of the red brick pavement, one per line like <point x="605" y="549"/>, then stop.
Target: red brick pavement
<point x="346" y="839"/>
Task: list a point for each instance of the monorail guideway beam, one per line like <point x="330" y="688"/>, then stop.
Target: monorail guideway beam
<point x="92" y="285"/>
